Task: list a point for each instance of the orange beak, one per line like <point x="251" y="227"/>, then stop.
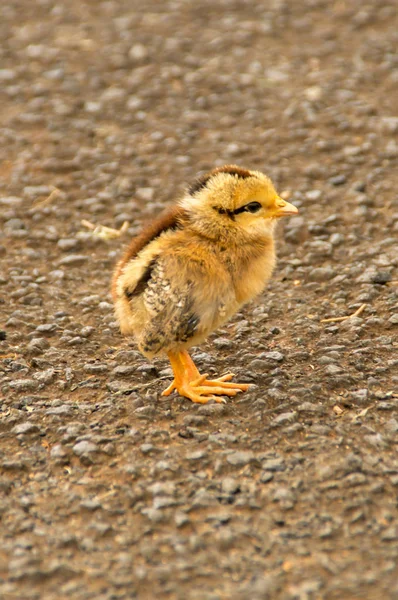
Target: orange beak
<point x="284" y="209"/>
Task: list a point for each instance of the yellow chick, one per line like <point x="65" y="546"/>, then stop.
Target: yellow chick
<point x="192" y="268"/>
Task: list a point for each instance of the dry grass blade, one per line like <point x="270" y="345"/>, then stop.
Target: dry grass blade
<point x="53" y="196"/>
<point x="362" y="413"/>
<point x="338" y="319"/>
<point x="103" y="232"/>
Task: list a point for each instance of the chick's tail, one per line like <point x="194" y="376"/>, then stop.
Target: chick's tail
<point x="190" y="383"/>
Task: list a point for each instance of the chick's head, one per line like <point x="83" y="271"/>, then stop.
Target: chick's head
<point x="236" y="200"/>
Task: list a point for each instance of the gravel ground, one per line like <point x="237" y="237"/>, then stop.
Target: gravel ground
<point x="107" y="490"/>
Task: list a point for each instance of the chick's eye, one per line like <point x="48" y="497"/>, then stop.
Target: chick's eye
<point x="253" y="207"/>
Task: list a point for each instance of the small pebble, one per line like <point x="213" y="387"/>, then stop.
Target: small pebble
<point x="240" y="458"/>
<point x="284" y="419"/>
<point x="25" y="428"/>
<point x="84" y="447"/>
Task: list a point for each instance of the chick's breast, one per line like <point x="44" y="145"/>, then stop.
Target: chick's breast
<point x="173" y="294"/>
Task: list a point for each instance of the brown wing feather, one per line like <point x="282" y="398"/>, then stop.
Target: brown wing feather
<point x="169" y="219"/>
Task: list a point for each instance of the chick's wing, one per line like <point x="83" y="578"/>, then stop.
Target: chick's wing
<point x="185" y="298"/>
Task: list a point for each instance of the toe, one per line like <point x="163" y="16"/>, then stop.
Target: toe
<point x="198" y="399"/>
<point x="223" y="384"/>
<point x="226" y="377"/>
<point x="221" y="391"/>
<point x="169" y="390"/>
<point x="199" y="381"/>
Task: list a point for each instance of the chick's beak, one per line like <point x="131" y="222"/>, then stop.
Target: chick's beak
<point x="283" y="208"/>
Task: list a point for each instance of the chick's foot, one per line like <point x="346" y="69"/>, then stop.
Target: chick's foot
<point x="202" y="391"/>
<point x="189" y="383"/>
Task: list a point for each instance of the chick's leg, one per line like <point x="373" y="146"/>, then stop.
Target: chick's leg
<point x="183" y="373"/>
<point x="189" y="383"/>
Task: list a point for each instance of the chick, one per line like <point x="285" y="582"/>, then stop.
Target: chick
<point x="192" y="268"/>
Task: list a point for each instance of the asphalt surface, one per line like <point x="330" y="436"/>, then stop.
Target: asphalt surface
<point x="107" y="490"/>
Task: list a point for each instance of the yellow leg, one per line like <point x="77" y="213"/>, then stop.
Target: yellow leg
<point x="190" y="383"/>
